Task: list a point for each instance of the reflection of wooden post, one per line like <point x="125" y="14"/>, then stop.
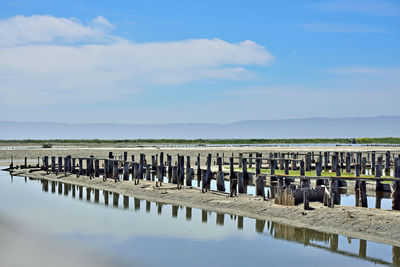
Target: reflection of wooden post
<point x="363" y="248"/>
<point x="136" y="203"/>
<point x="96" y="195"/>
<point x="357" y="192"/>
<point x="220" y="218"/>
<point x="240" y="222"/>
<point x="260" y="225"/>
<point x="203" y="216"/>
<point x="334" y="242"/>
<point x="174" y="211"/>
<point x="395" y="255"/>
<point x="115" y="199"/>
<point x="188" y="213"/>
<point x="148" y="206"/>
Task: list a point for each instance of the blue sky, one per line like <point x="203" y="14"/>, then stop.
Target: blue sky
<point x="198" y="61"/>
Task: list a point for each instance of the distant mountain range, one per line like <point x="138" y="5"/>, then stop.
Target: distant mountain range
<point x="382" y="126"/>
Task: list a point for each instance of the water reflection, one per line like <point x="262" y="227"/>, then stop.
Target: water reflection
<point x="330" y="242"/>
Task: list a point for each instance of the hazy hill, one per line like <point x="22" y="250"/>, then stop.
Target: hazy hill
<point x="293" y="128"/>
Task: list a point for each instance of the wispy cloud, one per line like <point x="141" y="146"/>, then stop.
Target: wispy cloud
<point x="392" y="72"/>
<point x="20" y="30"/>
<point x="341" y="28"/>
<point x="45" y="58"/>
<point x="367" y="7"/>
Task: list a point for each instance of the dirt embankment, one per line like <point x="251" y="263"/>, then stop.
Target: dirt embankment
<point x="381" y="226"/>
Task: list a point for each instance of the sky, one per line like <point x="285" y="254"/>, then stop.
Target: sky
<point x="198" y="61"/>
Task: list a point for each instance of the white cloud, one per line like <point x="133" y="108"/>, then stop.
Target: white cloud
<point x="341" y="28"/>
<point x="44" y="58"/>
<point x="20" y="30"/>
<point x="367" y="7"/>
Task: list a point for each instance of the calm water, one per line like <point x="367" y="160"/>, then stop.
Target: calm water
<point x="128" y="231"/>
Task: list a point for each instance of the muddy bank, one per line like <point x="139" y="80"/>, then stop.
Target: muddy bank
<point x="380" y="226"/>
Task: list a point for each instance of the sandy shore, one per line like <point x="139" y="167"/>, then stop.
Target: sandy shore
<point x="381" y="226"/>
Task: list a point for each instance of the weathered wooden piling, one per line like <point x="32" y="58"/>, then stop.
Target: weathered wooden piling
<point x="115" y="173"/>
<point x="232" y="178"/>
<point x="60" y="165"/>
<point x="126" y="171"/>
<point x="258" y="166"/>
<point x="240" y="180"/>
<point x="148" y="169"/>
<point x="53" y="164"/>
<point x="206" y="179"/>
<point x="97" y="168"/>
<point x="221" y="181"/>
<point x="260" y="190"/>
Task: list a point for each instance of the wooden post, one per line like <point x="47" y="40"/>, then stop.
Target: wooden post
<point x="373" y="162"/>
<point x="241" y="180"/>
<point x="363" y="194"/>
<point x="250" y="160"/>
<point x="363" y="165"/>
<point x="396" y="187"/>
<point x="207" y="179"/>
<point x="96" y="168"/>
<point x="232" y="178"/>
<point x="161" y="169"/>
<point x="141" y="166"/>
<point x="219" y="163"/>
<point x="53" y="164"/>
<point x="348" y="162"/>
<point x="307" y="163"/>
<point x="341" y="160"/>
<point x="302" y="172"/>
<point x="272" y="166"/>
<point x="286" y="162"/>
<point x="387" y="160"/>
<point x="116" y="171"/>
<point x="60" y="165"/>
<point x="244" y="169"/>
<point x="148" y="169"/>
<point x="126" y="170"/>
<point x="198" y="170"/>
<point x="378" y="174"/>
<point x="306" y="204"/>
<point x="125" y="156"/>
<point x="182" y="170"/>
<point x="80" y="166"/>
<point x="258" y="166"/>
<point x="326" y="160"/>
<point x="189" y="172"/>
<point x="260" y="190"/>
<point x="221" y="181"/>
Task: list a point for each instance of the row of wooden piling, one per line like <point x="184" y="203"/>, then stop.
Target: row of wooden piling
<point x="183" y="174"/>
